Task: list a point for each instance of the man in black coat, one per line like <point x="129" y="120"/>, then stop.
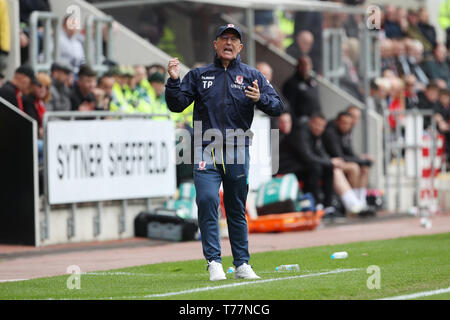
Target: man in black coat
<point x="338" y="143"/>
<point x="301" y="90"/>
<point x="14" y="91"/>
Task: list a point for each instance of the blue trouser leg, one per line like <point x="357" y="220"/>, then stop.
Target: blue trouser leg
<point x="235" y="190"/>
<point x="207" y="184"/>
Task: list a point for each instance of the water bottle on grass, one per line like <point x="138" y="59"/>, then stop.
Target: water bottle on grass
<point x="339" y="255"/>
<point x="288" y="267"/>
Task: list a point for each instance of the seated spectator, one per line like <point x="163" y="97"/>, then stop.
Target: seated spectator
<point x="302" y="153"/>
<point x="415" y="33"/>
<point x="397" y="102"/>
<point x="387" y="56"/>
<point x="119" y="102"/>
<point x="82" y="97"/>
<point x="414" y="52"/>
<point x="411" y="96"/>
<point x="159" y="105"/>
<point x="60" y="90"/>
<point x="20" y="85"/>
<point x="35" y="107"/>
<point x="301" y="91"/>
<point x="338" y="144"/>
<point x="428" y="100"/>
<point x="379" y="90"/>
<point x="391" y="24"/>
<point x="302" y="46"/>
<point x="442" y="117"/>
<point x="401" y="60"/>
<point x="426" y="28"/>
<point x="106" y="83"/>
<point x="71" y="49"/>
<point x="437" y="68"/>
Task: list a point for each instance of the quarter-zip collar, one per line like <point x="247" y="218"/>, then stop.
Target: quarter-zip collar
<point x="233" y="62"/>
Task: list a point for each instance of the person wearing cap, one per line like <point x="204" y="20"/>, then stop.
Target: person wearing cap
<point x="20" y="85"/>
<point x="59" y="90"/>
<point x="118" y="101"/>
<point x="159" y="105"/>
<point x="225" y="94"/>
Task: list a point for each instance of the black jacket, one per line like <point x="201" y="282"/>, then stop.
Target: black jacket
<point x="302" y="95"/>
<point x="339" y="145"/>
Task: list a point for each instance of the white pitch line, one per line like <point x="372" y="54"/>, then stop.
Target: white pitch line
<point x="418" y="294"/>
<point x="12" y="280"/>
<point x="232" y="285"/>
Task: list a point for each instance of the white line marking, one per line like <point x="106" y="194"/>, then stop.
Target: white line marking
<point x="232" y="285"/>
<point x="418" y="294"/>
<point x="12" y="280"/>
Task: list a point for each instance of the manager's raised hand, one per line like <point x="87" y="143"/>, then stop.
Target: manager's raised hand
<point x="173" y="68"/>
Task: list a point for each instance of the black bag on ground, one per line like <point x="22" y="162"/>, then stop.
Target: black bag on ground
<point x="164" y="224"/>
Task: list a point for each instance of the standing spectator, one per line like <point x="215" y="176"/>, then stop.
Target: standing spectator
<point x="82" y="97"/>
<point x="426" y="28"/>
<point x="60" y="91"/>
<point x="301" y="90"/>
<point x="437" y="68"/>
<point x="71" y="49"/>
<point x="20" y="85"/>
<point x="5" y="41"/>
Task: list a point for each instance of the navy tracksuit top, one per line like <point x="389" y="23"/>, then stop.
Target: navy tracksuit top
<point x="219" y="96"/>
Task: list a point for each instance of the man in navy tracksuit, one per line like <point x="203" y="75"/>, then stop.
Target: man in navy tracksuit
<point x="225" y="94"/>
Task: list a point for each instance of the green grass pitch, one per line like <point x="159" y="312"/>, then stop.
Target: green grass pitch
<point x="406" y="265"/>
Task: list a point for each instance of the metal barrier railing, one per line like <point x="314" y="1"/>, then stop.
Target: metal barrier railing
<point x="333" y="68"/>
<point x="408" y="146"/>
<point x="95" y="37"/>
<point x="73" y="116"/>
<point x="49" y="39"/>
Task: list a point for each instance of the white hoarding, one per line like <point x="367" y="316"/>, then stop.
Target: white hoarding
<point x="94" y="160"/>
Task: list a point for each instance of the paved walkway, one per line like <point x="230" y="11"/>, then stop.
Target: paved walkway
<point x="18" y="262"/>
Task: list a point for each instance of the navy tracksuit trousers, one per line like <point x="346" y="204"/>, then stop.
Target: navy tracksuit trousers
<point x="229" y="166"/>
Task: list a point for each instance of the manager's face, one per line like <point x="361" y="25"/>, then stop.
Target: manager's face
<point x="228" y="45"/>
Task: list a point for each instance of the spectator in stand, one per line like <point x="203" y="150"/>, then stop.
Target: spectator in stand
<point x="106" y="83"/>
<point x="391" y="25"/>
<point x="302" y="153"/>
<point x="428" y="100"/>
<point x="5" y="41"/>
<point x="301" y="91"/>
<point x="60" y="90"/>
<point x="101" y="99"/>
<point x="426" y="28"/>
<point x="159" y="105"/>
<point x="396" y="101"/>
<point x="350" y="82"/>
<point x="411" y="96"/>
<point x="20" y="85"/>
<point x="379" y="90"/>
<point x="71" y="49"/>
<point x="442" y="117"/>
<point x="267" y="28"/>
<point x="401" y="60"/>
<point x="437" y="68"/>
<point x="414" y="50"/>
<point x="302" y="46"/>
<point x="415" y="33"/>
<point x="82" y="97"/>
<point x="387" y="57"/>
<point x="155" y="68"/>
<point x="35" y="107"/>
<point x="337" y="141"/>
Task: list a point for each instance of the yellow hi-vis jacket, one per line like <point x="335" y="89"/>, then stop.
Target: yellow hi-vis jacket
<point x="5" y="41"/>
<point x="119" y="102"/>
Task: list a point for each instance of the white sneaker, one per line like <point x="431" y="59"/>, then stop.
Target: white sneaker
<point x="216" y="271"/>
<point x="245" y="271"/>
